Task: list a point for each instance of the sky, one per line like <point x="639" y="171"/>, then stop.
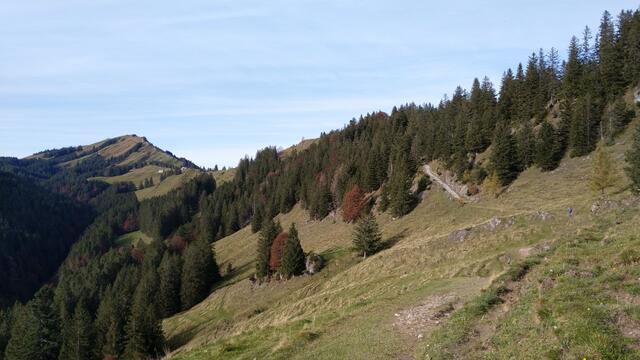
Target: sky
<point x="216" y="80"/>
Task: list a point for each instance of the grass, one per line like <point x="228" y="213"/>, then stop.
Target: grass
<point x="560" y="288"/>
<point x="170" y="183"/>
<point x="133" y="239"/>
<point x="135" y="176"/>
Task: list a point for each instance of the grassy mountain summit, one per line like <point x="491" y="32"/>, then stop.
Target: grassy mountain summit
<point x="122" y="150"/>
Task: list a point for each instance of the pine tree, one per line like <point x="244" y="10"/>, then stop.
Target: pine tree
<point x="268" y="233"/>
<point x="633" y="162"/>
<point x="367" y="236"/>
<point x="602" y="176"/>
<point x="170" y="272"/>
<point x="504" y="158"/>
<point x="144" y="337"/>
<point x="79" y="336"/>
<point x="293" y="259"/>
<point x="5" y="330"/>
<point x="199" y="272"/>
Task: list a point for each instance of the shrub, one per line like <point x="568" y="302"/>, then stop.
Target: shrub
<point x="353" y="204"/>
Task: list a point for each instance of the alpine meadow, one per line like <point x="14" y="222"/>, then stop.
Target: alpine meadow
<point x="502" y="222"/>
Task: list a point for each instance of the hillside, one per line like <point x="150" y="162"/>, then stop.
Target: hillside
<point x="420" y="297"/>
<point x="37" y="229"/>
<point x="495" y="224"/>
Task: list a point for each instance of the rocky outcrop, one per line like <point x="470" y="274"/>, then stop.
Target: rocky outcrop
<point x="313" y="263"/>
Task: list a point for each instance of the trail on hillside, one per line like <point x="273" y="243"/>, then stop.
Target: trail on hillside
<point x="445" y="186"/>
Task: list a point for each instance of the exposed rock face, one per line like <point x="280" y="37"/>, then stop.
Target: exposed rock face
<point x="542" y="216"/>
<point x="637" y="96"/>
<point x="313" y="263"/>
<point x="459" y="235"/>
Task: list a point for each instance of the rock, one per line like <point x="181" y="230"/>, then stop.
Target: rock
<point x="313" y="263"/>
<point x="459" y="235"/>
<point x="542" y="215"/>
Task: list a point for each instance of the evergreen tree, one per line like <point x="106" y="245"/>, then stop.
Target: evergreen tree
<point x="633" y="162"/>
<point x="268" y="233"/>
<point x="584" y="126"/>
<point x="199" y="272"/>
<point x="504" y="158"/>
<point x="610" y="66"/>
<point x="257" y="219"/>
<point x="572" y="72"/>
<point x="602" y="176"/>
<point x="35" y="334"/>
<point x="546" y="156"/>
<point x="5" y="330"/>
<point x="170" y="272"/>
<point x="144" y="337"/>
<point x="293" y="259"/>
<point x="79" y="336"/>
<point x="526" y="144"/>
<point x="367" y="236"/>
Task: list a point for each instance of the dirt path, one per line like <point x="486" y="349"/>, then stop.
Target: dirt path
<point x="445" y="186"/>
<point x="418" y="322"/>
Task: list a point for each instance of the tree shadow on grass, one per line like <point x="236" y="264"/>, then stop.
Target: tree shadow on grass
<point x="391" y="241"/>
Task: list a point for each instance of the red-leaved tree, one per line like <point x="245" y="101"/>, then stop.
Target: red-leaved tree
<point x="352" y="204"/>
<point x="276" y="251"/>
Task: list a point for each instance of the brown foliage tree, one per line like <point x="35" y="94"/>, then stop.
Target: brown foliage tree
<point x="130" y="224"/>
<point x="276" y="251"/>
<point x="353" y="204"/>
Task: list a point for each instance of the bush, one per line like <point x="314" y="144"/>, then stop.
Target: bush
<point x="275" y="260"/>
<point x="353" y="204"/>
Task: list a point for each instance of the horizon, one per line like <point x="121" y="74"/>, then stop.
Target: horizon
<point x="215" y="82"/>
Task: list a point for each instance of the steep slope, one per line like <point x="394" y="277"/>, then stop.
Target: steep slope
<point x="423" y="296"/>
<point x="37" y="228"/>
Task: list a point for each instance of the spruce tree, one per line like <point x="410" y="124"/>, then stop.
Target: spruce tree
<point x="602" y="176"/>
<point x="572" y="72"/>
<point x="257" y="219"/>
<point x="367" y="236"/>
<point x="268" y="233"/>
<point x="79" y="336"/>
<point x="293" y="259"/>
<point x="546" y="157"/>
<point x="633" y="162"/>
<point x="504" y="158"/>
<point x="170" y="272"/>
<point x="36" y="330"/>
<point x="584" y="127"/>
<point x="526" y="144"/>
<point x="144" y="338"/>
<point x="199" y="272"/>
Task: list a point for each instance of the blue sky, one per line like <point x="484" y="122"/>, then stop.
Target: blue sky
<point x="215" y="80"/>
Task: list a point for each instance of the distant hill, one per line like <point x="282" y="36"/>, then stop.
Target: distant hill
<point x="119" y="152"/>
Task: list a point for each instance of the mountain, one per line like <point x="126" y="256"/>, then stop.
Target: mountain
<point x="491" y="225"/>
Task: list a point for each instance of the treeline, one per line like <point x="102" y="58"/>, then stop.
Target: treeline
<point x="545" y="108"/>
<point x="37" y="229"/>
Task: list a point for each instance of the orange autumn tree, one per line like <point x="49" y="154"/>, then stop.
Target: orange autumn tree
<point x="352" y="204"/>
<point x="276" y="251"/>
